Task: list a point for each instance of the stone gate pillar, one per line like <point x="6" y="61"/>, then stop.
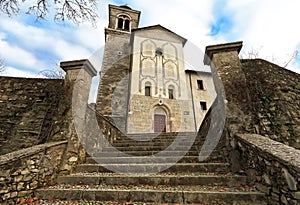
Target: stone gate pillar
<point x="225" y="60"/>
<point x="79" y="72"/>
<point x="78" y="81"/>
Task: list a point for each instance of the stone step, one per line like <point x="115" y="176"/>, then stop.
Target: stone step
<point x="166" y="135"/>
<point x="144" y="148"/>
<point x="155" y="194"/>
<point x="170" y="179"/>
<point x="150" y="152"/>
<point x="153" y="148"/>
<point x="151" y="136"/>
<point x="163" y="144"/>
<point x="91" y="202"/>
<point x="155" y="168"/>
<point x="150" y="143"/>
<point x="159" y="140"/>
<point x="147" y="159"/>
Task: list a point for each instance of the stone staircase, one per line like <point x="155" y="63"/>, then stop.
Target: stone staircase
<point x="145" y="175"/>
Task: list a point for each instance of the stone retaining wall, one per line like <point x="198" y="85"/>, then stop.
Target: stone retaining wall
<point x="275" y="106"/>
<point x="29" y="107"/>
<point x="23" y="171"/>
<point x="272" y="166"/>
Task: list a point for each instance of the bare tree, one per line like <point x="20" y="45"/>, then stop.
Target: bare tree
<point x="55" y="73"/>
<point x="252" y="53"/>
<point x="76" y="11"/>
<point x="292" y="57"/>
<point x="255" y="53"/>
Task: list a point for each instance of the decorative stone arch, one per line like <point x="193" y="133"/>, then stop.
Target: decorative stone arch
<point x="170" y="70"/>
<point x="147" y="68"/>
<point x="161" y="119"/>
<point x="148" y="48"/>
<point x="123" y="22"/>
<point x="174" y="86"/>
<point x="147" y="82"/>
<point x="171" y="52"/>
<point x="171" y="90"/>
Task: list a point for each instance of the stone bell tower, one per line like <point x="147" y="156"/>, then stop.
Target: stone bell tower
<point x="115" y="68"/>
<point x="122" y="19"/>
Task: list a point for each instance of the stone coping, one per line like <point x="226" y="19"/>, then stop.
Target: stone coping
<point x="219" y="48"/>
<point x="79" y="64"/>
<point x="269" y="148"/>
<point x="4" y="159"/>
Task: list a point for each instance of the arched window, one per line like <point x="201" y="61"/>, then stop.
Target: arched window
<point x="126" y="24"/>
<point x="120" y="23"/>
<point x="147" y="89"/>
<point x="123" y="23"/>
<point x="171" y="92"/>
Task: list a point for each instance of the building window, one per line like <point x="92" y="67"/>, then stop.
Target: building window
<point x="120" y="23"/>
<point x="158" y="52"/>
<point x="126" y="24"/>
<point x="203" y="105"/>
<point x="200" y="84"/>
<point x="171" y="93"/>
<point x="123" y="23"/>
<point x="147" y="91"/>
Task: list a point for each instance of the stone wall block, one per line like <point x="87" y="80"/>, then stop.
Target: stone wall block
<point x="28" y="107"/>
<point x="26" y="177"/>
<point x="275" y="167"/>
<point x="290" y="180"/>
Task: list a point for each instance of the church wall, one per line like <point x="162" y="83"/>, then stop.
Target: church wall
<point x="114" y="73"/>
<point x="205" y="95"/>
<point x="158" y="34"/>
<point x="160" y="73"/>
<point x="148" y="67"/>
<point x="140" y="119"/>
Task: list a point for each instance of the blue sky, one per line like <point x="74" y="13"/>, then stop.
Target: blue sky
<point x="265" y="25"/>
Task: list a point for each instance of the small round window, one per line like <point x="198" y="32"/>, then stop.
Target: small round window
<point x="159" y="52"/>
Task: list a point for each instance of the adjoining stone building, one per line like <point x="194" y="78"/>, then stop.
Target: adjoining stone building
<point x="145" y="84"/>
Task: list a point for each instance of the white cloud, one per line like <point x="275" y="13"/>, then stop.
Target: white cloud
<point x="62" y="44"/>
<point x="189" y="19"/>
<point x="15" y="72"/>
<point x="266" y="23"/>
<point x="16" y="55"/>
<point x="269" y="24"/>
<point x="91" y="38"/>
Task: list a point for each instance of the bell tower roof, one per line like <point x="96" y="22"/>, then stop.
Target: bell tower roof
<point x="125" y="6"/>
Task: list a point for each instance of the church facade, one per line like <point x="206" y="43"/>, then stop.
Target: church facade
<point x="146" y="86"/>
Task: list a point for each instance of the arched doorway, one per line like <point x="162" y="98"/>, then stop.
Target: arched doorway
<point x="160" y="120"/>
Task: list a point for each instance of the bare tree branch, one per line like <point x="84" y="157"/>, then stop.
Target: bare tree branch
<point x="252" y="54"/>
<point x="292" y="57"/>
<point x="255" y="53"/>
<point x="77" y="11"/>
<point x="9" y="7"/>
<point x="56" y="73"/>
